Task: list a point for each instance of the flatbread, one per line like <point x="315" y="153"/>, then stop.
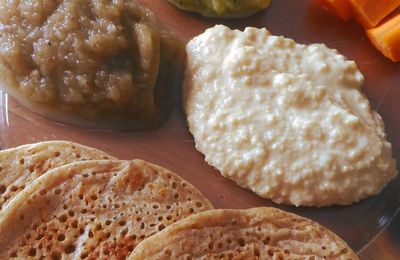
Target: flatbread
<point x="95" y="210"/>
<point x="21" y="165"/>
<point x="259" y="233"/>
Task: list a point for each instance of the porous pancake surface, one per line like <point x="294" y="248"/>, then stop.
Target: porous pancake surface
<point x="20" y="166"/>
<point x="95" y="210"/>
<point x="259" y="233"/>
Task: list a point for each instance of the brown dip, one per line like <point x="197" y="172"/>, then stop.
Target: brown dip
<point x="92" y="63"/>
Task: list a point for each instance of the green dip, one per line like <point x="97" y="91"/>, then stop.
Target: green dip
<point x="222" y="8"/>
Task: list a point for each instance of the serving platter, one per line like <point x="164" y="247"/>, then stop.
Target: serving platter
<point x="172" y="146"/>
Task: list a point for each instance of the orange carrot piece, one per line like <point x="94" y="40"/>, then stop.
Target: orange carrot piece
<point x="386" y="38"/>
<point x="339" y="8"/>
<point x="370" y="12"/>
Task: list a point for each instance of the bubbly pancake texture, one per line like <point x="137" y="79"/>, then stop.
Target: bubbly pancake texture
<point x="95" y="210"/>
<point x="22" y="165"/>
<point x="259" y="233"/>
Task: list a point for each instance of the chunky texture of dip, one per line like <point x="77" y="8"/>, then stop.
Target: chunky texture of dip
<point x="87" y="62"/>
<point x="223" y="8"/>
<point x="285" y="120"/>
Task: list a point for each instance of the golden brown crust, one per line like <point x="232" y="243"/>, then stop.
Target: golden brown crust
<point x="20" y="166"/>
<point x="258" y="233"/>
<point x="95" y="209"/>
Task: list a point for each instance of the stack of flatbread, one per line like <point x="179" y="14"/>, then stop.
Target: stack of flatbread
<point x="62" y="200"/>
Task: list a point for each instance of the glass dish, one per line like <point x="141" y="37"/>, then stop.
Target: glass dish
<point x="172" y="146"/>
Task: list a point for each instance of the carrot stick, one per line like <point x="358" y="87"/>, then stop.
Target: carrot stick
<point x="370" y="12"/>
<point x="386" y="38"/>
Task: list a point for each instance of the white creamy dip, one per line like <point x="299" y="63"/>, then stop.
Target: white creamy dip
<point x="283" y="119"/>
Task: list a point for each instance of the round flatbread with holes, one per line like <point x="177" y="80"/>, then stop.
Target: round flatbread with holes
<point x="95" y="210"/>
<point x="20" y="166"/>
<point x="259" y="233"/>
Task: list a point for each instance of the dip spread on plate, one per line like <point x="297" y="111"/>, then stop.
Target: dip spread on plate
<point x="283" y="119"/>
<point x="223" y="8"/>
<point x="86" y="62"/>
